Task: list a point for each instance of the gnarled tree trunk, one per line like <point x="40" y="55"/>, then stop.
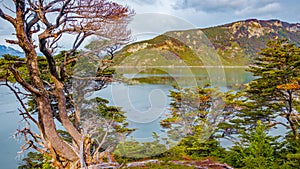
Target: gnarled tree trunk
<point x="83" y="18"/>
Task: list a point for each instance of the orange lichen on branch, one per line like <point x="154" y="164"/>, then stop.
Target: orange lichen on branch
<point x="290" y="86"/>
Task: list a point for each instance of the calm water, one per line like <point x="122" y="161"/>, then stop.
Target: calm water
<point x="145" y="104"/>
<point x="9" y="122"/>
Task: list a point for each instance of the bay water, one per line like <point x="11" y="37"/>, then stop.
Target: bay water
<point x="145" y="104"/>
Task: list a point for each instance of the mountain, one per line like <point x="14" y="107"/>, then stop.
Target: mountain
<point x="231" y="44"/>
<point x="9" y="50"/>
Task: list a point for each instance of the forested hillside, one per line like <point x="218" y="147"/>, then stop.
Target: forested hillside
<point x="232" y="44"/>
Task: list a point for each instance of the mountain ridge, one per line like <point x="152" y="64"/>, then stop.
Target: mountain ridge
<point x="9" y="50"/>
<point x="232" y="44"/>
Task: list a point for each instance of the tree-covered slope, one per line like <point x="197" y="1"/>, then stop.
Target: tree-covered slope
<point x="231" y="44"/>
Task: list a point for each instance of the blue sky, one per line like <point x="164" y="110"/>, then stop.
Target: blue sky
<point x="157" y="16"/>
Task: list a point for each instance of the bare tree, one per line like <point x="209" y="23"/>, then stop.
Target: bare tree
<point x="50" y="20"/>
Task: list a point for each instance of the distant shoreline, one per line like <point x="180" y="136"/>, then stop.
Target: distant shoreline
<point x="180" y="66"/>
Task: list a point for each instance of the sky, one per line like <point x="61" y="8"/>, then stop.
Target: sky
<point x="205" y="13"/>
<point x="186" y="14"/>
<point x="154" y="17"/>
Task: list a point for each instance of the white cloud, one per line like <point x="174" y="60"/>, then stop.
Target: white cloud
<point x="6" y="27"/>
<point x="144" y="1"/>
<point x="238" y="7"/>
<point x="158" y="23"/>
<point x="265" y="9"/>
<point x="270" y="8"/>
<point x="210" y="5"/>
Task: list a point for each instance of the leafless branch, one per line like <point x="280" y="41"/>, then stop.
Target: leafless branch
<point x="82" y="158"/>
<point x="31" y="23"/>
<point x="101" y="143"/>
<point x="278" y="122"/>
<point x="14" y="42"/>
<point x="108" y="79"/>
<point x="29" y="143"/>
<point x="7" y="17"/>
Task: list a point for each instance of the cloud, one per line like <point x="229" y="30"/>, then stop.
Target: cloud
<point x="6" y="28"/>
<point x="147" y="2"/>
<point x="209" y="5"/>
<point x="237" y="7"/>
<point x="270" y="8"/>
<point x="264" y="9"/>
<point x="156" y="23"/>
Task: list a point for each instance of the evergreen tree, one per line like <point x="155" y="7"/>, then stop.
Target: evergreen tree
<point x="274" y="95"/>
<point x="255" y="149"/>
<point x="195" y="115"/>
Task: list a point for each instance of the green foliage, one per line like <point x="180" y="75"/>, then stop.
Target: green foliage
<point x="275" y="90"/>
<point x="154" y="80"/>
<point x="201" y="149"/>
<point x="270" y="95"/>
<point x="289" y="155"/>
<point x="277" y="65"/>
<point x="190" y="122"/>
<point x="18" y="63"/>
<point x="255" y="149"/>
<point x="36" y="161"/>
<point x="101" y="119"/>
<point x="132" y="150"/>
<point x="193" y="107"/>
<point x="70" y="67"/>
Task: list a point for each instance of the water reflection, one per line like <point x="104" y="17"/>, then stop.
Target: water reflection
<point x="218" y="77"/>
